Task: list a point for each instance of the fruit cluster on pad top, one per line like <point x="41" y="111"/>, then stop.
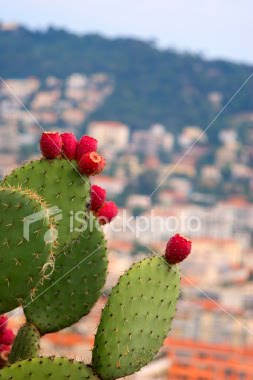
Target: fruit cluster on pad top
<point x="55" y="145"/>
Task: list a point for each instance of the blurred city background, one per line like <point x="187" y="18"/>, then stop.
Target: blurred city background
<point x="168" y="92"/>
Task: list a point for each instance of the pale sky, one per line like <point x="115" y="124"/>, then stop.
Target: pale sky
<point x="215" y="28"/>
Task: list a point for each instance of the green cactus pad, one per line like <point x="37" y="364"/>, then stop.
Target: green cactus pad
<point x="26" y="344"/>
<point x="75" y="284"/>
<point x="22" y="261"/>
<point x="136" y="318"/>
<point x="61" y="185"/>
<point x="47" y="368"/>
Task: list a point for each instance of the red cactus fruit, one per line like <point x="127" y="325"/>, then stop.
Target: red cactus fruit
<point x="7" y="337"/>
<point x="178" y="248"/>
<point x="107" y="212"/>
<point x="4" y="348"/>
<point x="51" y="145"/>
<point x="69" y="141"/>
<point x="98" y="197"/>
<point x="4" y="355"/>
<point x="91" y="163"/>
<point x="86" y="144"/>
<point x="3" y="322"/>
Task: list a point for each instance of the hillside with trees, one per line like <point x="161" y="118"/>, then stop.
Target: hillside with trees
<point x="151" y="85"/>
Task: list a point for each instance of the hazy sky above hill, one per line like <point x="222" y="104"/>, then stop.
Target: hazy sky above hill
<point x="216" y="28"/>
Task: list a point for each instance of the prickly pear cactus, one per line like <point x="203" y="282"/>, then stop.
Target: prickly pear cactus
<point x="26" y="344"/>
<point x="136" y="318"/>
<point x="75" y="285"/>
<point x="47" y="368"/>
<point x="57" y="277"/>
<point x="23" y="253"/>
<point x="65" y="191"/>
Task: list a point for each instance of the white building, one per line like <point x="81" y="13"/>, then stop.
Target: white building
<point x="76" y="80"/>
<point x="110" y="134"/>
<point x="113" y="186"/>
